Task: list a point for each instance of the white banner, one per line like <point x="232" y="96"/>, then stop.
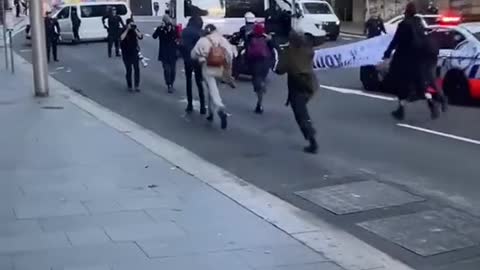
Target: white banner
<point x="362" y="53"/>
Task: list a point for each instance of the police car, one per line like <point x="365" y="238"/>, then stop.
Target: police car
<point x="458" y="68"/>
<point x="427" y="20"/>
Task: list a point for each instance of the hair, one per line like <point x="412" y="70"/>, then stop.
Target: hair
<point x="195" y="21"/>
<point x="410" y="9"/>
<point x="210" y="28"/>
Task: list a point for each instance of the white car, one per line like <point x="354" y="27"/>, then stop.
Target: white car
<point x="90" y="14"/>
<point x="428" y="21"/>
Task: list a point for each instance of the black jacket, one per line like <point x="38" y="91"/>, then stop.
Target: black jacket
<point x="115" y="23"/>
<point x="190" y="36"/>
<point x="374" y="27"/>
<point x="52" y="28"/>
<point x="167" y="36"/>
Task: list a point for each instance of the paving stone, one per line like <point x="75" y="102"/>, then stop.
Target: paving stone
<point x="418" y="233"/>
<point x="271" y="256"/>
<point x="136" y="232"/>
<point x="17" y="227"/>
<point x="90" y="236"/>
<point x="6" y="262"/>
<point x="310" y="266"/>
<point x="28" y="242"/>
<point x="39" y="209"/>
<point x="455" y="220"/>
<point x="358" y="197"/>
<point x="102" y="206"/>
<point x="75" y="223"/>
<point x="169" y="201"/>
<point x="84" y="256"/>
<point x="96" y="267"/>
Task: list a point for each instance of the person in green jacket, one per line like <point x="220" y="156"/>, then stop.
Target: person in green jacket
<point x="297" y="63"/>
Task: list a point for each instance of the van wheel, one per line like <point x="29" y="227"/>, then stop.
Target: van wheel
<point x="369" y="77"/>
<point x="334" y="37"/>
<point x="456" y="87"/>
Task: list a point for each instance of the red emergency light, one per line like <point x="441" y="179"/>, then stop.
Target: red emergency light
<point x="450" y="18"/>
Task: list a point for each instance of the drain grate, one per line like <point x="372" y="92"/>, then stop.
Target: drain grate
<point x="52" y="107"/>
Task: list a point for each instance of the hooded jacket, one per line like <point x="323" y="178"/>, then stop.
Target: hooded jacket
<point x="202" y="49"/>
<point x="167" y="36"/>
<point x="190" y="36"/>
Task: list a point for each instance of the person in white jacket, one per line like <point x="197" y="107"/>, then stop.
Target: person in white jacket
<point x="211" y="73"/>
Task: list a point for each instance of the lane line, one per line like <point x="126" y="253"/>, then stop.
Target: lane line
<point x="446" y="135"/>
<point x="357" y="92"/>
<point x="347" y="38"/>
<point x="351" y="35"/>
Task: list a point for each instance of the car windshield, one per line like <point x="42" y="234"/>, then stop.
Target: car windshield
<point x="316" y="8"/>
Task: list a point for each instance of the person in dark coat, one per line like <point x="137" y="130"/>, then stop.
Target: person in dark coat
<point x="130" y="54"/>
<point x="405" y="75"/>
<point x="260" y="64"/>
<point x="114" y="28"/>
<point x="297" y="62"/>
<point x="374" y="27"/>
<point x="16" y="3"/>
<point x="52" y="32"/>
<point x="167" y="51"/>
<point x="190" y="36"/>
<point x="76" y="22"/>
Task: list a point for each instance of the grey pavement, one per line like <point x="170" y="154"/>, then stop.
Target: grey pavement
<point x="77" y="194"/>
<point x="352" y="28"/>
<point x="372" y="178"/>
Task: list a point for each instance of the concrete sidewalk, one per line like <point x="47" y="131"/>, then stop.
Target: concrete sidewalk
<point x="78" y="194"/>
<point x="352" y="28"/>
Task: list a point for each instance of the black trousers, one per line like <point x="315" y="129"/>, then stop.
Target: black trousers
<point x="52" y="48"/>
<point x="190" y="69"/>
<point x="17" y="10"/>
<point x="76" y="35"/>
<point x="299" y="101"/>
<point x="113" y="40"/>
<point x="169" y="71"/>
<point x="132" y="64"/>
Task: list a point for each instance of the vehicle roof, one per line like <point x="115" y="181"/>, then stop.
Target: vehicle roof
<point x="96" y="3"/>
<point x="473" y="27"/>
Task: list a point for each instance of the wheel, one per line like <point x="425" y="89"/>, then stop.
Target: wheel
<point x="456" y="87"/>
<point x="334" y="37"/>
<point x="369" y="77"/>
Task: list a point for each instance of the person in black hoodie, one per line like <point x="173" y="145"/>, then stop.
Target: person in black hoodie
<point x="76" y="22"/>
<point x="190" y="35"/>
<point x="167" y="50"/>
<point x="52" y="31"/>
<point x="114" y="28"/>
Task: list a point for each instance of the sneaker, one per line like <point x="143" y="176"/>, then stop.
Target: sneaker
<point x="210" y="118"/>
<point x="434" y="110"/>
<point x="189" y="109"/>
<point x="312" y="148"/>
<point x="223" y="119"/>
<point x="203" y="110"/>
<point x="259" y="109"/>
<point x="399" y="113"/>
<point x="170" y="89"/>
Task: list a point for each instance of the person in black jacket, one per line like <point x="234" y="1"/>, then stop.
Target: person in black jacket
<point x="114" y="28"/>
<point x="374" y="27"/>
<point x="52" y="31"/>
<point x="130" y="54"/>
<point x="190" y="35"/>
<point x="76" y="22"/>
<point x="406" y="73"/>
<point x="167" y="51"/>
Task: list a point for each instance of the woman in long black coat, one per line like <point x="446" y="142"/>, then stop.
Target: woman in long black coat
<point x="167" y="50"/>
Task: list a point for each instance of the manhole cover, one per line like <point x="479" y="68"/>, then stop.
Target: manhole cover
<point x="357" y="197"/>
<point x="428" y="233"/>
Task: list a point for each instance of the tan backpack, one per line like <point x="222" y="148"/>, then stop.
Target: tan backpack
<point x="216" y="56"/>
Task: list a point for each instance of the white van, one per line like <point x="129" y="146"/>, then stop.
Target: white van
<point x="90" y="14"/>
<point x="320" y="14"/>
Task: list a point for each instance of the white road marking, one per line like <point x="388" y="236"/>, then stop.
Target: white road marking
<point x="60" y="68"/>
<point x="351" y="35"/>
<point x="347" y="38"/>
<point x="356" y="92"/>
<point x="26" y="50"/>
<point x="446" y="135"/>
<point x="147" y="35"/>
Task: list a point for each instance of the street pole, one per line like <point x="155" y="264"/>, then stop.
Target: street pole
<point x="4" y="23"/>
<point x="39" y="50"/>
<point x="12" y="60"/>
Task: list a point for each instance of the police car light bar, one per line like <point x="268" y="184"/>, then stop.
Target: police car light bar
<point x="450" y="19"/>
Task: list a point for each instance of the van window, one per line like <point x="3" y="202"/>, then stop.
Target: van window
<point x="224" y="8"/>
<point x="317" y="8"/>
<point x="64" y="13"/>
<point x="89" y="11"/>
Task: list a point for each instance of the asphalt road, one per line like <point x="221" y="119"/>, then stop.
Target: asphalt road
<point x="358" y="139"/>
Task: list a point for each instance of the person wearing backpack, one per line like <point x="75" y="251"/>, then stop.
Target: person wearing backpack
<point x="214" y="53"/>
<point x="260" y="51"/>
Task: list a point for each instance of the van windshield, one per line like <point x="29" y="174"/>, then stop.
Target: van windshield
<point x="316" y="8"/>
<point x="90" y="11"/>
<point x="224" y="8"/>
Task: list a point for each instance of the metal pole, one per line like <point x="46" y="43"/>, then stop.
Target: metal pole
<point x="4" y="23"/>
<point x="12" y="61"/>
<point x="39" y="50"/>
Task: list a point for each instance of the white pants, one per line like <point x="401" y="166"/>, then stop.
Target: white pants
<point x="210" y="75"/>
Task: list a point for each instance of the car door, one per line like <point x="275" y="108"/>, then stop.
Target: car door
<point x="451" y="43"/>
<point x="63" y="18"/>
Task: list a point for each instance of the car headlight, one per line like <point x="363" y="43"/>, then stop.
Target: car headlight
<point x="337" y="22"/>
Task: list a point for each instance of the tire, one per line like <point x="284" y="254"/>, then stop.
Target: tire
<point x="456" y="87"/>
<point x="370" y="79"/>
<point x="334" y="37"/>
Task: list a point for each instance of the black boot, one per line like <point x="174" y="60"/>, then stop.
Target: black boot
<point x="259" y="109"/>
<point x="223" y="119"/>
<point x="399" y="113"/>
<point x="434" y="110"/>
<point x="203" y="110"/>
<point x="210" y="117"/>
<point x="189" y="109"/>
<point x="312" y="148"/>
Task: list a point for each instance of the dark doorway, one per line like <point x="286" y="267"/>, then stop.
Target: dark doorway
<point x="344" y="9"/>
<point x="141" y="7"/>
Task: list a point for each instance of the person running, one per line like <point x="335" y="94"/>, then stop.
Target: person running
<point x="260" y="51"/>
<point x="114" y="27"/>
<point x="130" y="54"/>
<point x="76" y="22"/>
<point x="406" y="75"/>
<point x="374" y="26"/>
<point x="190" y="36"/>
<point x="52" y="32"/>
<point x="167" y="50"/>
<point x="297" y="63"/>
<point x="214" y="53"/>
